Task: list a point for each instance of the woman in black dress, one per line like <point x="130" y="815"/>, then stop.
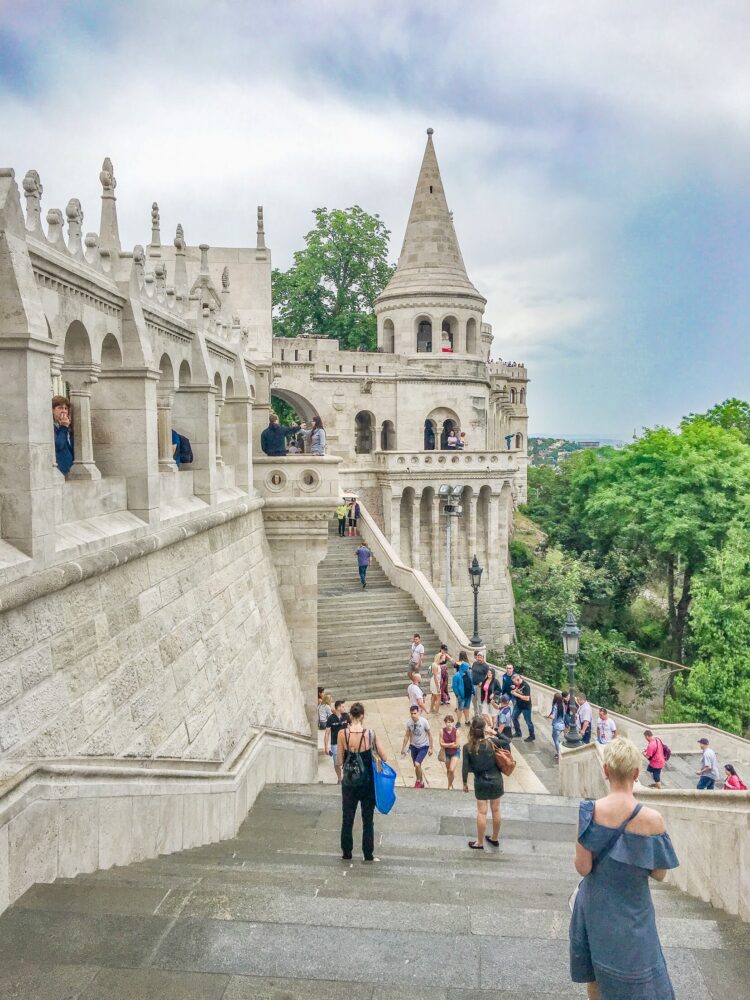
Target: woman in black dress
<point x="357" y="782"/>
<point x="479" y="758"/>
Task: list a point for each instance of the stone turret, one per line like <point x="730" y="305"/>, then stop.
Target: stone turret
<point x="430" y="304"/>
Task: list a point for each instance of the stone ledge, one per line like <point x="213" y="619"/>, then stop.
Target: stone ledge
<point x="48" y="581"/>
<point x="63" y="819"/>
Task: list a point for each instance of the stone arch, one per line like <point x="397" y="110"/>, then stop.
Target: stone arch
<point x="219" y="385"/>
<point x="430" y="434"/>
<point x="301" y="405"/>
<point x="423" y="334"/>
<point x="387" y="436"/>
<point x="111" y="355"/>
<point x="512" y="395"/>
<point x="522" y="397"/>
<point x="519" y="440"/>
<point x="185" y="376"/>
<point x="448" y="334"/>
<point x="229" y="388"/>
<point x="77" y="346"/>
<point x="426" y="547"/>
<point x="472" y="343"/>
<point x="444" y="420"/>
<point x="389" y="337"/>
<point x="166" y="379"/>
<point x="364" y="433"/>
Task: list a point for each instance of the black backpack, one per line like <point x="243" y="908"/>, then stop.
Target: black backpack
<point x="354" y="773"/>
<point x="184" y="451"/>
<point x="468" y="686"/>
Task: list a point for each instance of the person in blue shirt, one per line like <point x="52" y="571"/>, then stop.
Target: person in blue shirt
<point x="61" y="418"/>
<point x="176" y="448"/>
<point x="463" y="687"/>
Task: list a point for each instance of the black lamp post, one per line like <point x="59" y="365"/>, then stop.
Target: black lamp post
<point x="571" y="637"/>
<point x="475" y="575"/>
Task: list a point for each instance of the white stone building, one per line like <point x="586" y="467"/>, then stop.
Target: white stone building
<point x="388" y="414"/>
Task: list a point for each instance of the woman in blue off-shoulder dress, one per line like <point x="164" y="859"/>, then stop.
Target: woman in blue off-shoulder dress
<point x="614" y="944"/>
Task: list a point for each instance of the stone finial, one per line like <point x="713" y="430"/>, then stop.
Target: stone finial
<point x="109" y="233"/>
<point x="155" y="230"/>
<point x="180" y="266"/>
<point x="204" y="248"/>
<point x="139" y="264"/>
<point x="179" y="237"/>
<point x="11" y="213"/>
<point x="91" y="243"/>
<point x="261" y="240"/>
<point x="54" y="228"/>
<point x="225" y="279"/>
<point x="160" y="272"/>
<point x="430" y="131"/>
<point x="32" y="189"/>
<point x="74" y="213"/>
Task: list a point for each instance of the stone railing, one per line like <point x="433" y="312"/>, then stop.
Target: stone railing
<point x="414" y="582"/>
<point x="297" y="477"/>
<point x="453" y="462"/>
<point x="61" y="818"/>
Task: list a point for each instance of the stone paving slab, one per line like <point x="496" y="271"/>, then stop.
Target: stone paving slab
<point x="151" y="984"/>
<point x="21" y="980"/>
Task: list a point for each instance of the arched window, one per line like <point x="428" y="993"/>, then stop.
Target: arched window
<point x="472" y="346"/>
<point x="389" y="337"/>
<point x="430" y="433"/>
<point x="522" y="397"/>
<point x="111" y="353"/>
<point x="364" y="433"/>
<point x="448" y="334"/>
<point x="185" y="375"/>
<point x="512" y="395"/>
<point x="519" y="440"/>
<point x="424" y="335"/>
<point x="387" y="436"/>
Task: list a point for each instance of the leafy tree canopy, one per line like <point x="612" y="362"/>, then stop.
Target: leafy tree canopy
<point x="732" y="414"/>
<point x="331" y="288"/>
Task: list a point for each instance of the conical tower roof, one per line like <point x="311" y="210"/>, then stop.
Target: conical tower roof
<point x="430" y="261"/>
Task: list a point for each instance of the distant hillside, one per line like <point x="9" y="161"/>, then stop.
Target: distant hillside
<point x="552" y="451"/>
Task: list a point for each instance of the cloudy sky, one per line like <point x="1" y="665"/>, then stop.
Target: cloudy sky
<point x="596" y="156"/>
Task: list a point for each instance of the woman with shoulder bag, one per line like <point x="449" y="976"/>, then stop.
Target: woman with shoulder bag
<point x="614" y="942"/>
<point x="357" y="782"/>
<point x="480" y="758"/>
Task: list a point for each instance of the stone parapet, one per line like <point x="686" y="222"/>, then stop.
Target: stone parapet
<point x="61" y="819"/>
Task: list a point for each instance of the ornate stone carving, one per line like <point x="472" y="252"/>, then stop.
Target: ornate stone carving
<point x="33" y="189"/>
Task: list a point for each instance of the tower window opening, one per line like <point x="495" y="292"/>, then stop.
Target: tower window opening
<point x="430" y="188"/>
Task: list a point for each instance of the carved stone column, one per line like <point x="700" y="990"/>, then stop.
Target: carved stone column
<point x="471" y="533"/>
<point x="164" y="429"/>
<point x="415" y="530"/>
<point x="218" y="403"/>
<point x="395" y="538"/>
<point x="435" y="541"/>
<point x="81" y="379"/>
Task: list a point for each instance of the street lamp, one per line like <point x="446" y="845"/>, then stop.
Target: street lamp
<point x="475" y="575"/>
<point x="571" y="637"/>
<point x="451" y="496"/>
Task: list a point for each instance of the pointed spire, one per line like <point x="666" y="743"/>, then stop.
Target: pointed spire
<point x="155" y="244"/>
<point x="180" y="266"/>
<point x="109" y="233"/>
<point x="430" y="259"/>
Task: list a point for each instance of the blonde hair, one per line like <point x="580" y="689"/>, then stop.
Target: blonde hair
<point x="327" y="699"/>
<point x="622" y="758"/>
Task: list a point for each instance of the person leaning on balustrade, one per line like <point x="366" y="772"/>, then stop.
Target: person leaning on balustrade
<point x="61" y="423"/>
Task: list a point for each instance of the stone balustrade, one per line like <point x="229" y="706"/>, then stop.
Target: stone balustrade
<point x="463" y="462"/>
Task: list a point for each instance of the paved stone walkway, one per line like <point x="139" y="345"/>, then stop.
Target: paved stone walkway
<point x="276" y="915"/>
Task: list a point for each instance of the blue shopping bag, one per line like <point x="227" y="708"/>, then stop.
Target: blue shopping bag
<point x="385" y="784"/>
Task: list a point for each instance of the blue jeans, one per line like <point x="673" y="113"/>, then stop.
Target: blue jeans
<point x="526" y="713"/>
<point x="705" y="783"/>
<point x="557" y="728"/>
<point x="363" y="574"/>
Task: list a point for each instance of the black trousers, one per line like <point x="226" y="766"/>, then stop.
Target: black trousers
<point x="365" y="797"/>
<point x="342" y="526"/>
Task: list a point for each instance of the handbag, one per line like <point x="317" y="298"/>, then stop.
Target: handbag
<point x="384" y="778"/>
<point x="441" y="755"/>
<point x="609" y="846"/>
<point x="506" y="762"/>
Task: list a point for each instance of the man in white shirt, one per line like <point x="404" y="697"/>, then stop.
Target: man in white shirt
<point x="419" y="739"/>
<point x="417" y="654"/>
<point x="709" y="773"/>
<point x="606" y="730"/>
<point x="584" y="717"/>
<point x="415" y="694"/>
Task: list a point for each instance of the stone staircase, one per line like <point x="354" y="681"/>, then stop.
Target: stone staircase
<point x="274" y="914"/>
<point x="364" y="635"/>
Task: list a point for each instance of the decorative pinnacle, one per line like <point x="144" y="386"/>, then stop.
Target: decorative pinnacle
<point x="430" y="131"/>
<point x="179" y="237"/>
<point x="204" y="248"/>
<point x="225" y="279"/>
<point x="107" y="177"/>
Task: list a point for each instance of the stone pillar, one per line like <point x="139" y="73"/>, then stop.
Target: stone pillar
<point x="415" y="532"/>
<point x="164" y="432"/>
<point x="395" y="539"/>
<point x="218" y="403"/>
<point x="456" y="531"/>
<point x="81" y="379"/>
<point x="471" y="533"/>
<point x="435" y="541"/>
<point x="238" y="427"/>
<point x="493" y="537"/>
<point x="196" y="418"/>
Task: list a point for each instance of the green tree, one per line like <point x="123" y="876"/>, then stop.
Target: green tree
<point x="331" y="288"/>
<point x="732" y="414"/>
<point x="670" y="498"/>
<point x="717" y="688"/>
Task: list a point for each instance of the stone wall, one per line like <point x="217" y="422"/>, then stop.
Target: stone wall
<point x="178" y="653"/>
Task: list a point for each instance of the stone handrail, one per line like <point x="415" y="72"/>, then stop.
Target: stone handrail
<point x="414" y="582"/>
<point x="710" y="830"/>
<point x="441" y="461"/>
<point x="63" y="818"/>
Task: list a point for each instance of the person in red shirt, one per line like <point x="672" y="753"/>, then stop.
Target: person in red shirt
<point x="654" y="754"/>
<point x="734" y="782"/>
